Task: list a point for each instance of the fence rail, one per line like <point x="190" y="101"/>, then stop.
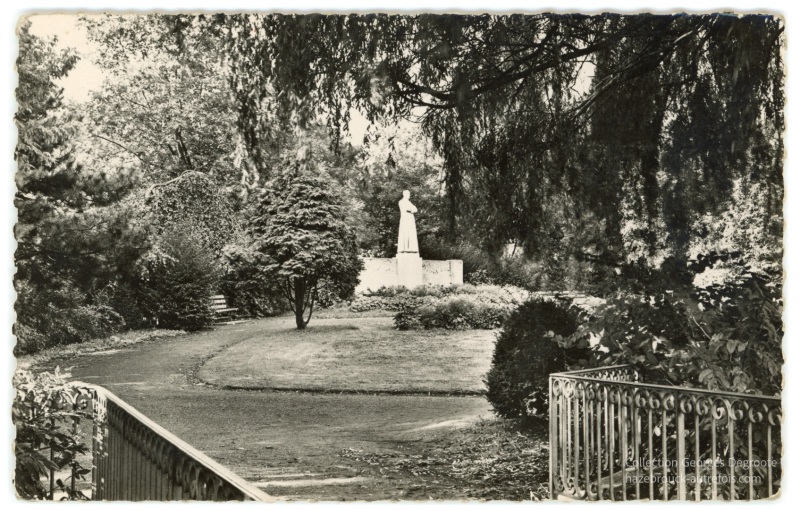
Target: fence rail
<point x="135" y="459"/>
<point x="613" y="437"/>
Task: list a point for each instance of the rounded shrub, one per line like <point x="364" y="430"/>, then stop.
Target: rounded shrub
<point x="175" y="284"/>
<point x="246" y="286"/>
<point x="525" y="354"/>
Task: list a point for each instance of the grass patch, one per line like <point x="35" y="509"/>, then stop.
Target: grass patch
<point x="354" y="355"/>
<point x="48" y="357"/>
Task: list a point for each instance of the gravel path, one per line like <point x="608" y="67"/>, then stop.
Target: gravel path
<point x="288" y="443"/>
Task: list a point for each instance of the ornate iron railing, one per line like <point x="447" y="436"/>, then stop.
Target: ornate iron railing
<point x="613" y="437"/>
<point x="135" y="459"/>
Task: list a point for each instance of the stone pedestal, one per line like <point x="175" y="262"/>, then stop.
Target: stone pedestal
<point x="409" y="270"/>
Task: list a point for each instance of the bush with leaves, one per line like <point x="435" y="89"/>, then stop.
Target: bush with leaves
<point x="45" y="416"/>
<point x="529" y="348"/>
<point x="245" y="285"/>
<point x="58" y="317"/>
<point x="722" y="335"/>
<point x="175" y="282"/>
<point x="456" y="307"/>
<point x="646" y="331"/>
<point x="195" y="204"/>
<point x="463" y="312"/>
<point x="737" y="331"/>
<point x="301" y="231"/>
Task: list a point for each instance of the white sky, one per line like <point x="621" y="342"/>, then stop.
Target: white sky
<point x="13" y="11"/>
<point x="85" y="77"/>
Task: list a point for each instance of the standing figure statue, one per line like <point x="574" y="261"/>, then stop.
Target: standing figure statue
<point x="407" y="237"/>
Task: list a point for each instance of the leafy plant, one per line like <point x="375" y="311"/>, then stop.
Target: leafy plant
<point x="175" y="282"/>
<point x="300" y="229"/>
<point x="57" y="317"/>
<point x="529" y="348"/>
<point x="723" y="335"/>
<point x="454" y="307"/>
<point x="246" y="286"/>
<point x="195" y="205"/>
<point x="46" y="414"/>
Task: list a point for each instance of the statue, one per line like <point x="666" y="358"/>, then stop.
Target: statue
<point x="407" y="237"/>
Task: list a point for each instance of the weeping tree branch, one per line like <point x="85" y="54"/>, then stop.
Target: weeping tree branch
<point x="171" y="181"/>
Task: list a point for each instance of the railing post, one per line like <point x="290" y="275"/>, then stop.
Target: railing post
<point x="623" y="444"/>
<point x="553" y="440"/>
<point x="681" y="444"/>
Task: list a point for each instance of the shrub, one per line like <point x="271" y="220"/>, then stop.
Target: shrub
<point x="450" y="314"/>
<point x="120" y="296"/>
<point x="526" y="353"/>
<point x="722" y="337"/>
<point x="176" y="280"/>
<point x="390" y="291"/>
<point x="245" y="286"/>
<point x="396" y="303"/>
<point x="29" y="339"/>
<point x="645" y="331"/>
<point x="44" y="416"/>
<point x="57" y="317"/>
<point x="457" y="307"/>
<point x="405" y="320"/>
<point x="479" y="277"/>
<point x="463" y="313"/>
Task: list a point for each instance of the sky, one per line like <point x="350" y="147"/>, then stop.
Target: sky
<point x="85" y="79"/>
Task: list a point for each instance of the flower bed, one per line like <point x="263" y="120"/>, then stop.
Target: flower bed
<point x="448" y="307"/>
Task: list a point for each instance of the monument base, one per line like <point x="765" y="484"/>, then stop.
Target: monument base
<point x="386" y="272"/>
<point x="409" y="270"/>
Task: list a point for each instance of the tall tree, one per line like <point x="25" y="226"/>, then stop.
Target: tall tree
<point x="679" y="107"/>
<point x="69" y="243"/>
<point x="300" y="231"/>
<point x="162" y="109"/>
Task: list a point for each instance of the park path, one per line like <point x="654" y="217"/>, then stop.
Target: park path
<point x="287" y="443"/>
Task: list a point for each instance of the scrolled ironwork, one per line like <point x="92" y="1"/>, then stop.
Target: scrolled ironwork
<point x="616" y="437"/>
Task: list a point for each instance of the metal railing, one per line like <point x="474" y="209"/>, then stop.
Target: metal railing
<point x="613" y="437"/>
<point x="135" y="459"/>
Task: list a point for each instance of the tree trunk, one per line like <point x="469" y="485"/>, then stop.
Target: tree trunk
<point x="299" y="302"/>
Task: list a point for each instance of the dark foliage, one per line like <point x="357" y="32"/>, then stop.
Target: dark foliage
<point x="722" y="336"/>
<point x="73" y="238"/>
<point x="175" y="283"/>
<point x="57" y="317"/>
<point x="245" y="285"/>
<point x="527" y="351"/>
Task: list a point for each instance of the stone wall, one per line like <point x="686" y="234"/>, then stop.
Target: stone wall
<point x="382" y="272"/>
<point x="443" y="272"/>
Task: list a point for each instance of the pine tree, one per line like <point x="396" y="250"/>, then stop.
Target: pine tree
<point x="70" y="243"/>
<point x="300" y="228"/>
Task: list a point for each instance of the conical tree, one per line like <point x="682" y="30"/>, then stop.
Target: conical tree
<point x="300" y="229"/>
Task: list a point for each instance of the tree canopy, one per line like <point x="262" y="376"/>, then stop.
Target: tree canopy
<point x="603" y="139"/>
<point x="301" y="232"/>
<point x="70" y="243"/>
<point x="644" y="122"/>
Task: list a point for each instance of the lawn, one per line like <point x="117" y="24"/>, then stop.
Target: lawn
<point x="354" y="355"/>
